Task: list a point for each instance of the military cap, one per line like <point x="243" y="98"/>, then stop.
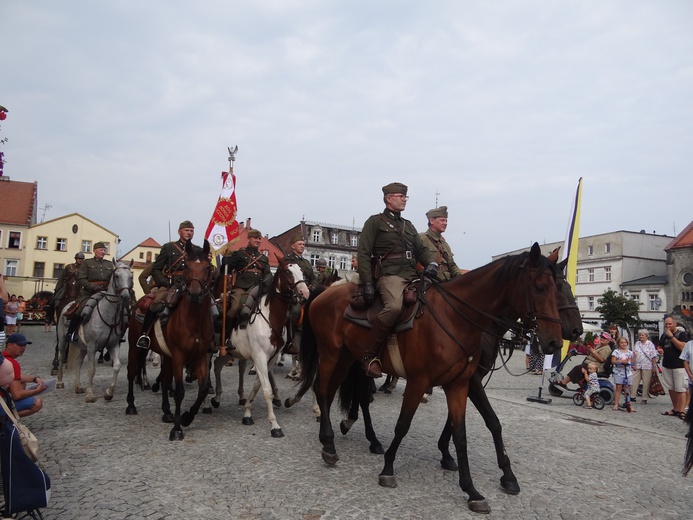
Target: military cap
<point x="100" y="245"/>
<point x="438" y="212"/>
<point x="321" y="262"/>
<point x="186" y="224"/>
<point x="297" y="237"/>
<point x="394" y="187"/>
<point x="254" y="233"/>
<point x="80" y="255"/>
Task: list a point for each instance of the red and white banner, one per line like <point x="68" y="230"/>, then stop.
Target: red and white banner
<point x="223" y="227"/>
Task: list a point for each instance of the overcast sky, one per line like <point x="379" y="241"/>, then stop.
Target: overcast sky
<point x="123" y="110"/>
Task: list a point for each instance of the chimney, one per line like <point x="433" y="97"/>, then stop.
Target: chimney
<point x="247" y="223"/>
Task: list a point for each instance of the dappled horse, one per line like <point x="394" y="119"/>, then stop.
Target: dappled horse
<point x="263" y="338"/>
<point x="443" y="348"/>
<point x="107" y="322"/>
<point x="185" y="338"/>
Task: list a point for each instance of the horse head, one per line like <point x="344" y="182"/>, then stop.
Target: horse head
<point x="535" y="299"/>
<point x="121" y="281"/>
<point x="571" y="319"/>
<point x="289" y="280"/>
<point x="199" y="272"/>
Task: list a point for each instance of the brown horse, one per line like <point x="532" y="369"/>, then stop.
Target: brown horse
<point x="443" y="348"/>
<point x="185" y="338"/>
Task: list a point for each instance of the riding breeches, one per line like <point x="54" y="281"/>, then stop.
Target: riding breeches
<point x="391" y="289"/>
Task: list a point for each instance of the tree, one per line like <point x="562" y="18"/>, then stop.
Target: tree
<point x="618" y="309"/>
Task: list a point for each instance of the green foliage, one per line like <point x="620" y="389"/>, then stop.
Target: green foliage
<point x="618" y="309"/>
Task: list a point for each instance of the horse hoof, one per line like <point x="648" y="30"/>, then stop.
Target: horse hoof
<point x="344" y="428"/>
<point x="277" y="433"/>
<point x="215" y="403"/>
<point x="510" y="487"/>
<point x="167" y="418"/>
<point x="248" y="421"/>
<point x="287" y="403"/>
<point x="108" y="397"/>
<point x="387" y="481"/>
<point x="89" y="400"/>
<point x="241" y="402"/>
<point x="330" y="458"/>
<point x="377" y="449"/>
<point x="60" y="386"/>
<point x="186" y="419"/>
<point x="131" y="410"/>
<point x="100" y="361"/>
<point x="176" y="435"/>
<point x="79" y="390"/>
<point x="155" y="387"/>
<point x="449" y="464"/>
<point x="296" y="378"/>
<point x="207" y="410"/>
<point x="479" y="506"/>
<point x="252" y="372"/>
<point x="277" y="403"/>
<point x="317" y="418"/>
<point x="146" y="387"/>
<point x="54" y="372"/>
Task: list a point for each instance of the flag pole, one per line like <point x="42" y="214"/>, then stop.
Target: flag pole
<point x="222" y="348"/>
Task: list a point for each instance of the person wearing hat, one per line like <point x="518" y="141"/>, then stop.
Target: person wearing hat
<point x="389" y="248"/>
<point x="298" y="246"/>
<point x="93" y="276"/>
<point x="25" y="400"/>
<point x="250" y="268"/>
<point x="597" y="354"/>
<point x="321" y="268"/>
<point x="67" y="279"/>
<point x="168" y="273"/>
<point x="434" y="241"/>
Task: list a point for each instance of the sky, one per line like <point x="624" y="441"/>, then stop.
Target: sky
<point x="122" y="111"/>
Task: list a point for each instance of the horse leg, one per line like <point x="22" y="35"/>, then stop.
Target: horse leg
<point x="276" y="398"/>
<point x="478" y="396"/>
<point x="242" y="363"/>
<point x="78" y="370"/>
<point x="202" y="391"/>
<point x="114" y="352"/>
<point x="365" y="402"/>
<point x="62" y="347"/>
<point x="176" y="433"/>
<point x="91" y="370"/>
<point x="133" y="361"/>
<point x="219" y="363"/>
<point x="165" y="379"/>
<point x="447" y="461"/>
<point x="263" y="380"/>
<point x="332" y="372"/>
<point x="456" y="396"/>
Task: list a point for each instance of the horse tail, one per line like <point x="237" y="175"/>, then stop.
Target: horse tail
<point x="357" y="388"/>
<point x="309" y="349"/>
<point x="688" y="458"/>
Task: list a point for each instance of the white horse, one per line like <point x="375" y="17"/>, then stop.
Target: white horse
<point x="264" y="337"/>
<point x="108" y="321"/>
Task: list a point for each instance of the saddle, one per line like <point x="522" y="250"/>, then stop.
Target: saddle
<point x="358" y="313"/>
<point x="142" y="306"/>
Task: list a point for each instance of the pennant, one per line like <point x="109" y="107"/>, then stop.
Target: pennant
<point x="223" y="227"/>
<point x="570" y="249"/>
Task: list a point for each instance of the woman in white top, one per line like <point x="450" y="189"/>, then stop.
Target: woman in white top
<point x="645" y="362"/>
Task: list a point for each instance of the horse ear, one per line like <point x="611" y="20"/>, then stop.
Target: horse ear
<point x="562" y="265"/>
<point x="205" y="248"/>
<point x="553" y="257"/>
<point x="132" y="262"/>
<point x="535" y="253"/>
<point x="114" y="261"/>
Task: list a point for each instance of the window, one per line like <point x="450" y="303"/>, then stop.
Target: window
<point x="41" y="242"/>
<point x="354" y="241"/>
<point x="335" y="238"/>
<point x="58" y="270"/>
<point x="607" y="248"/>
<point x="39" y="269"/>
<point x="149" y="256"/>
<point x="590" y="250"/>
<point x="607" y="274"/>
<point x="15" y="240"/>
<point x="86" y="246"/>
<point x="331" y="261"/>
<point x="590" y="303"/>
<point x="141" y="255"/>
<point x="61" y="244"/>
<point x="635" y="297"/>
<point x="11" y="267"/>
<point x="654" y="302"/>
<point x="316" y="235"/>
<point x="342" y="264"/>
<point x="590" y="275"/>
<point x="314" y="257"/>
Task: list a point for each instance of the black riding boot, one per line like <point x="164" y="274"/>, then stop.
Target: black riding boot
<point x="149" y="319"/>
<point x="375" y="343"/>
<point x="71" y="335"/>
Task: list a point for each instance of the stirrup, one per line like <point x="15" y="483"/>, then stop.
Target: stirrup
<point x="143" y="341"/>
<point x="372" y="367"/>
<point x="71" y="337"/>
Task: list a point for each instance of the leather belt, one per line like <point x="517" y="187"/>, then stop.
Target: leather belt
<point x="392" y="256"/>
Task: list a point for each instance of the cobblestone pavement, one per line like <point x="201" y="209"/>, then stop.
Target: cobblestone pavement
<point x="570" y="462"/>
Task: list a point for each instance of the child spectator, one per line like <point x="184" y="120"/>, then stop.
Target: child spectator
<point x="592" y="383"/>
<point x="622" y="361"/>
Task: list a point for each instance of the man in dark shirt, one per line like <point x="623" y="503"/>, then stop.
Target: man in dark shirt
<point x="674" y="377"/>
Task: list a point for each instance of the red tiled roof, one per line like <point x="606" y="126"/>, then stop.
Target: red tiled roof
<point x="683" y="239"/>
<point x="17" y="201"/>
<point x="150" y="242"/>
<point x="265" y="245"/>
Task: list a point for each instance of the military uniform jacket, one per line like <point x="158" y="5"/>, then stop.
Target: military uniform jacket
<point x="94" y="275"/>
<point x="308" y="274"/>
<point x="394" y="244"/>
<point x="251" y="267"/>
<point x="447" y="268"/>
<point x="169" y="266"/>
<point x="68" y="276"/>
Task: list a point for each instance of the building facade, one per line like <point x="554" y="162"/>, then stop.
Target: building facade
<point x="680" y="270"/>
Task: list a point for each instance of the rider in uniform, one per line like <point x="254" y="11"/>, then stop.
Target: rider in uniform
<point x="434" y="241"/>
<point x="251" y="268"/>
<point x="168" y="273"/>
<point x="93" y="276"/>
<point x="298" y="246"/>
<point x="389" y="248"/>
<point x="321" y="268"/>
<point x="67" y="278"/>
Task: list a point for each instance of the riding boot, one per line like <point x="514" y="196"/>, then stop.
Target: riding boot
<point x="376" y="341"/>
<point x="289" y="347"/>
<point x="149" y="319"/>
<point x="71" y="335"/>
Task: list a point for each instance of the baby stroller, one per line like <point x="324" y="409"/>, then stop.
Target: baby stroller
<point x="606" y="388"/>
<point x="579" y="398"/>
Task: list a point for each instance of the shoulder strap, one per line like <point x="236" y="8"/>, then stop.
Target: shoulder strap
<point x="11" y="414"/>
